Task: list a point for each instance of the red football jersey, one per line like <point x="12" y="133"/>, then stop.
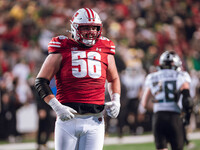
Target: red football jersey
<point x="82" y="74"/>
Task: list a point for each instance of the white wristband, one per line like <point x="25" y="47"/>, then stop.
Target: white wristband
<point x="55" y="104"/>
<point x="115" y="97"/>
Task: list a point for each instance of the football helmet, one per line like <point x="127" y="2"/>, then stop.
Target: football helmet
<point x="170" y="60"/>
<point x="86" y="17"/>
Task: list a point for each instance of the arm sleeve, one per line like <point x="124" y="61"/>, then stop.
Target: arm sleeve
<point x="187" y="102"/>
<point x="42" y="87"/>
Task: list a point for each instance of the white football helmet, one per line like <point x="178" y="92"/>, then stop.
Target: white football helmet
<point x="86" y="17"/>
<point x="170" y="60"/>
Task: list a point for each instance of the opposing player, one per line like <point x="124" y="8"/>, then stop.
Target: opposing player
<point x="81" y="66"/>
<point x="169" y="89"/>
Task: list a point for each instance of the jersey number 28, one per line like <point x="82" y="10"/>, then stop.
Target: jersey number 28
<point x="170" y="91"/>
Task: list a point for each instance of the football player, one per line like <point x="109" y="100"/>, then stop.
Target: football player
<point x="169" y="89"/>
<point x="81" y="65"/>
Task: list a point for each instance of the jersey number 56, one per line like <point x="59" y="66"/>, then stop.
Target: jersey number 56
<point x="86" y="64"/>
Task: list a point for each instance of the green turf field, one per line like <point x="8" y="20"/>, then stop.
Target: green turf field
<point x="145" y="146"/>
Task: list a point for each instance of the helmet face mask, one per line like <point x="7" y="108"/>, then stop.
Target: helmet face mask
<point x="88" y="32"/>
<point x="170" y="60"/>
<point x="86" y="27"/>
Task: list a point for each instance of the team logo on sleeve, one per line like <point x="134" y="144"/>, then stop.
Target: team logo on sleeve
<point x="98" y="49"/>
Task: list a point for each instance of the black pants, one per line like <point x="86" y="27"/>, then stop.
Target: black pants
<point x="43" y="132"/>
<point x="168" y="128"/>
<point x="133" y="109"/>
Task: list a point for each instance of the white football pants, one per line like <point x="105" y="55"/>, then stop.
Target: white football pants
<point x="84" y="132"/>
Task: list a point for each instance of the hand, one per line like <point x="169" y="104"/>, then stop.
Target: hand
<point x="63" y="112"/>
<point x="113" y="107"/>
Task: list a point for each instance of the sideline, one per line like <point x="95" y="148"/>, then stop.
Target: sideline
<point x="107" y="141"/>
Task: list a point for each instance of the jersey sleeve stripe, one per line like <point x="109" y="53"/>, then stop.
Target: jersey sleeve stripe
<point x="55" y="42"/>
<point x="112" y="46"/>
<point x="53" y="45"/>
<point x="112" y="50"/>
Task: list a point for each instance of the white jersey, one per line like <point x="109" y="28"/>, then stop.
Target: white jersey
<point x="165" y="85"/>
<point x="133" y="84"/>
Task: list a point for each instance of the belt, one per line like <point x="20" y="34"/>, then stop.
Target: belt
<point x="90" y="114"/>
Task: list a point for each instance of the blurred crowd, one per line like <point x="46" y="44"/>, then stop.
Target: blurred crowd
<point x="140" y="29"/>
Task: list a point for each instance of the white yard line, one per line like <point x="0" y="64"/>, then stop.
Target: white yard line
<point x="108" y="141"/>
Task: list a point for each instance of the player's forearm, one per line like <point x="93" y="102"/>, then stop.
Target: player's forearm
<point x="114" y="86"/>
<point x="144" y="103"/>
<point x="113" y="107"/>
<point x="48" y="98"/>
<point x="145" y="98"/>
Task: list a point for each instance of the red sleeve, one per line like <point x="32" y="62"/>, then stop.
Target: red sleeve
<point x="110" y="46"/>
<point x="57" y="44"/>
